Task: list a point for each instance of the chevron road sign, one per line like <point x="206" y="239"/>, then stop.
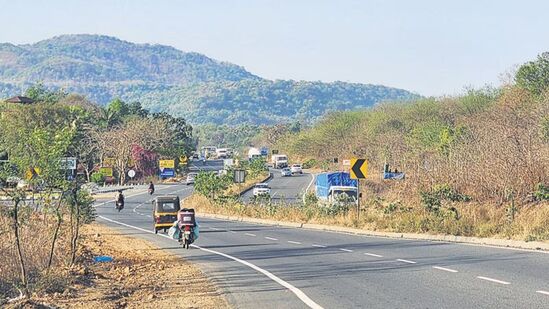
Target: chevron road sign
<point x="359" y="168"/>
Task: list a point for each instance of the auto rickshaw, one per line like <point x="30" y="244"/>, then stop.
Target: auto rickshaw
<point x="165" y="210"/>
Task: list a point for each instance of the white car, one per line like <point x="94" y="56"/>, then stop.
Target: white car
<point x="286" y="172"/>
<point x="190" y="178"/>
<point x="261" y="189"/>
<point x="296" y="169"/>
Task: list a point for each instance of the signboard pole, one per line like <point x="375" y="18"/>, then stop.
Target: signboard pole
<point x="358" y="201"/>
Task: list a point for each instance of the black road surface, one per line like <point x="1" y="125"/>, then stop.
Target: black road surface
<point x="263" y="266"/>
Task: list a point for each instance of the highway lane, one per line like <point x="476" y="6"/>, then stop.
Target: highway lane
<point x="348" y="271"/>
<point x="208" y="165"/>
<point x="288" y="189"/>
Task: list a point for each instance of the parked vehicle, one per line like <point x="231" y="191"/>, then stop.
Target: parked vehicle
<point x="330" y="185"/>
<point x="286" y="172"/>
<point x="190" y="178"/>
<point x="296" y="169"/>
<point x="165" y="210"/>
<point x="264" y="151"/>
<point x="261" y="189"/>
<point x="279" y="161"/>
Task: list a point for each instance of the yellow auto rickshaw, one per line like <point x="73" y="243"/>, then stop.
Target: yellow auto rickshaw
<point x="165" y="210"/>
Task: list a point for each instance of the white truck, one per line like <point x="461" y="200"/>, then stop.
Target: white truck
<point x="222" y="153"/>
<point x="254" y="153"/>
<point x="279" y="161"/>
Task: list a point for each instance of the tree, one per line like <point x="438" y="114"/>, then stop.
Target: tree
<point x="40" y="93"/>
<point x="534" y="75"/>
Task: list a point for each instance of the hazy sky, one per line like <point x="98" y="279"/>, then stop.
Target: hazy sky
<point x="433" y="47"/>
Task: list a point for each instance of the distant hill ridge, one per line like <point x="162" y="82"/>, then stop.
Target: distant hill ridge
<point x="187" y="84"/>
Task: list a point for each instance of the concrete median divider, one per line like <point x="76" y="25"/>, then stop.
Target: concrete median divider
<point x="504" y="243"/>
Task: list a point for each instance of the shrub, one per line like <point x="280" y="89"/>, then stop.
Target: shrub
<point x="542" y="192"/>
<point x="309" y="163"/>
<point x="98" y="178"/>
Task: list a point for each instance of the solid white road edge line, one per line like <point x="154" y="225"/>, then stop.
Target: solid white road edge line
<point x="346" y="250"/>
<point x="406" y="261"/>
<point x="302" y="296"/>
<point x="374" y="255"/>
<point x="493" y="280"/>
<point x="543" y="292"/>
<point x="445" y="269"/>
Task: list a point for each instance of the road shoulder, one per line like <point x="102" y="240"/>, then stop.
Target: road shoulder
<point x="140" y="276"/>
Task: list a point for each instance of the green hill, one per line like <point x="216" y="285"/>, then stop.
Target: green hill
<point x="186" y="84"/>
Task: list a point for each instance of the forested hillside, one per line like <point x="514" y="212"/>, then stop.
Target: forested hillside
<point x="475" y="164"/>
<point x="162" y="78"/>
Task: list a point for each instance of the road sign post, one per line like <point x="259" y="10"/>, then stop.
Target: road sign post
<point x="358" y="171"/>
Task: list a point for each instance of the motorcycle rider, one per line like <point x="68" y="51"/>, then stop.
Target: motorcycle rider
<point x="151" y="188"/>
<point x="119" y="200"/>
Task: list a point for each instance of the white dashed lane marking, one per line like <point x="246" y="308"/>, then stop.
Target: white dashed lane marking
<point x="346" y="250"/>
<point x="406" y="261"/>
<point x="493" y="280"/>
<point x="270" y="238"/>
<point x="374" y="255"/>
<point x="294" y="242"/>
<point x="319" y="246"/>
<point x="445" y="269"/>
<point x="543" y="292"/>
<point x="249" y="234"/>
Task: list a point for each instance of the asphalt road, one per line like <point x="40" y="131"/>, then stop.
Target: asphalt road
<point x="208" y="165"/>
<point x="262" y="266"/>
<point x="288" y="189"/>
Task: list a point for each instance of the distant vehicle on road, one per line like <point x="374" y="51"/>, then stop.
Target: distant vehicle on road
<point x="296" y="169"/>
<point x="330" y="185"/>
<point x="208" y="151"/>
<point x="261" y="189"/>
<point x="190" y="178"/>
<point x="195" y="156"/>
<point x="286" y="172"/>
<point x="279" y="161"/>
<point x="264" y="151"/>
<point x="253" y="153"/>
<point x="222" y="153"/>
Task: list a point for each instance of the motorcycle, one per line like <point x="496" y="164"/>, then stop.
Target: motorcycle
<point x="119" y="206"/>
<point x="187" y="223"/>
<point x="187" y="237"/>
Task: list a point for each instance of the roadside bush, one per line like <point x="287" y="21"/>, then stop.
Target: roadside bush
<point x="432" y="200"/>
<point x="97" y="178"/>
<point x="309" y="163"/>
<point x="542" y="192"/>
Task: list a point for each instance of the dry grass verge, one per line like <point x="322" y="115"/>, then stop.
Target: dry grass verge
<point x="530" y="222"/>
<point x="141" y="276"/>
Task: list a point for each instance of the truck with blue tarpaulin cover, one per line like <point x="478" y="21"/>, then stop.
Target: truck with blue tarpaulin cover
<point x="329" y="185"/>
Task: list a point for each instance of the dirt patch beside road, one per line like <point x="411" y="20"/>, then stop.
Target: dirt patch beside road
<point x="140" y="276"/>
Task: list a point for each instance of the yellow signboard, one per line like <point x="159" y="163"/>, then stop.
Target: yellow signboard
<point x="107" y="171"/>
<point x="166" y="163"/>
<point x="31" y="174"/>
<point x="359" y="168"/>
<point x="109" y="161"/>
